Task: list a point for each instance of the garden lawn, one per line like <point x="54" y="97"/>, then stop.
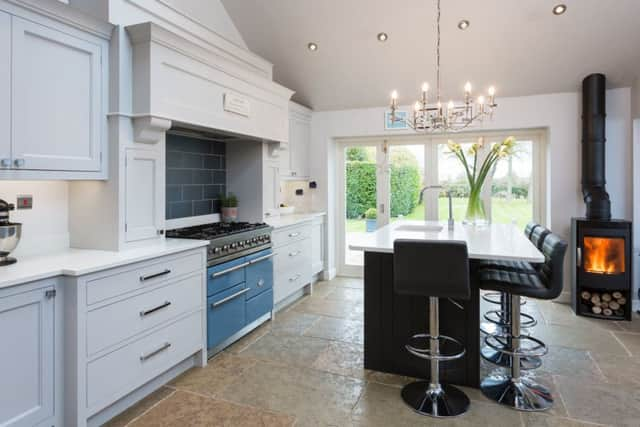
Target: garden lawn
<point x="503" y="212"/>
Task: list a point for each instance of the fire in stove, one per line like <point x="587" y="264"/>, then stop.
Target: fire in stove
<point x="604" y="255"/>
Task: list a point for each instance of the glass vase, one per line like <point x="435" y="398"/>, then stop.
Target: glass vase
<point x="475" y="215"/>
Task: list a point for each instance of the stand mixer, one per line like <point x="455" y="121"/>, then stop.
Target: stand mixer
<point x="10" y="234"/>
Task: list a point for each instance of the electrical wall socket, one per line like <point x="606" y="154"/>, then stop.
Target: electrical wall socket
<point x="24" y="202"/>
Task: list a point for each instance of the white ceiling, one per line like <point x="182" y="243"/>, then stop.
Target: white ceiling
<point x="517" y="45"/>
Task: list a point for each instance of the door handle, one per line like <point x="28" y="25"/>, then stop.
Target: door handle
<point x="294" y="278"/>
<point x="579" y="256"/>
<point x="5" y="163"/>
<point x="262" y="258"/>
<point x="230" y="297"/>
<point x="296" y="234"/>
<point x="155" y="275"/>
<point x="296" y="253"/>
<point x="18" y="163"/>
<point x="148" y="356"/>
<point x="144" y="313"/>
<point x="229" y="270"/>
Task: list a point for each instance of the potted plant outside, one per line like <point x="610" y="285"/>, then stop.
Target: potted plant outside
<point x="371" y="217"/>
<point x="229" y="207"/>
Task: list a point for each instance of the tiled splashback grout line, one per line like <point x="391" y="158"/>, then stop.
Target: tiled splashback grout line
<point x="196" y="176"/>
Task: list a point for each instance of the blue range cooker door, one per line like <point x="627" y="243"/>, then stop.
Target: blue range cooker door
<point x="259" y="281"/>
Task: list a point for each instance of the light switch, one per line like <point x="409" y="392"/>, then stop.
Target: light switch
<point x="25" y="202"/>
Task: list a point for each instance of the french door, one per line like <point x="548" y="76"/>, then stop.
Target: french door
<point x="406" y="178"/>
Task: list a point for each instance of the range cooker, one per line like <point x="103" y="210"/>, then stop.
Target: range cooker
<point x="239" y="279"/>
<point x="228" y="241"/>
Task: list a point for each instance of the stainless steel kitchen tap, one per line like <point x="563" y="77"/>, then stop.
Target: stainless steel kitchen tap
<point x="440" y="187"/>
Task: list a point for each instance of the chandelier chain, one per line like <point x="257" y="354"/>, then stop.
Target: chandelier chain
<point x="438" y="55"/>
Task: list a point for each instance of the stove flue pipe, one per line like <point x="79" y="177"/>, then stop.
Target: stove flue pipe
<point x="593" y="148"/>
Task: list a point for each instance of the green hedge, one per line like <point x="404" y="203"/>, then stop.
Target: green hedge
<point x="361" y="188"/>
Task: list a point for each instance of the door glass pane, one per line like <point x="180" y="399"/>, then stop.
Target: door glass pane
<point x="406" y="170"/>
<point x="360" y="197"/>
<point x="511" y="189"/>
<point x="452" y="176"/>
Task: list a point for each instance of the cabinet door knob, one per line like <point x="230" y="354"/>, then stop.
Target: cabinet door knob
<point x="18" y="163"/>
<point x="5" y="163"/>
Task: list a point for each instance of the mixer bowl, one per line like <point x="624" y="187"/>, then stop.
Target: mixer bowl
<point x="9" y="237"/>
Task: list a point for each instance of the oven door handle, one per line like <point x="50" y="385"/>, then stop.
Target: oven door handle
<point x="229" y="270"/>
<point x="262" y="258"/>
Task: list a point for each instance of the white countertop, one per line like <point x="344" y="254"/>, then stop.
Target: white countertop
<point x="494" y="241"/>
<point x="292" y="219"/>
<point x="78" y="262"/>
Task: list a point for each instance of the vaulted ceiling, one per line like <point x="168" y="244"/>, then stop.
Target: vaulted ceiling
<point x="518" y="46"/>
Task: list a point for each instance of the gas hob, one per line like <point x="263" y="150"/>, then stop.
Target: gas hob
<point x="227" y="241"/>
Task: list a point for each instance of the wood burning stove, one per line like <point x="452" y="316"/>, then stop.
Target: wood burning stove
<point x="602" y="275"/>
<point x="601" y="259"/>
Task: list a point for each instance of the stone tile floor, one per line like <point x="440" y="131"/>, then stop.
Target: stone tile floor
<point x="306" y="369"/>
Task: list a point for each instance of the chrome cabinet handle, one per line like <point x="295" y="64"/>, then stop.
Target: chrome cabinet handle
<point x="5" y="163"/>
<point x="144" y="313"/>
<point x="579" y="256"/>
<point x="229" y="270"/>
<point x="296" y="234"/>
<point x="148" y="356"/>
<point x="155" y="275"/>
<point x="260" y="283"/>
<point x="457" y="304"/>
<point x="296" y="253"/>
<point x="18" y="163"/>
<point x="294" y="278"/>
<point x="262" y="258"/>
<point x="229" y="298"/>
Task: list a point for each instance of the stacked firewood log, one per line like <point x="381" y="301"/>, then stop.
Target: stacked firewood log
<point x="604" y="303"/>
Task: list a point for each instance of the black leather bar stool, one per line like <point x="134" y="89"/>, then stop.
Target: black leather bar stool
<point x="498" y="322"/>
<point x="435" y="270"/>
<point x="514" y="390"/>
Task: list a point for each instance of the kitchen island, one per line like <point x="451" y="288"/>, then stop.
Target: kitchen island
<point x="391" y="319"/>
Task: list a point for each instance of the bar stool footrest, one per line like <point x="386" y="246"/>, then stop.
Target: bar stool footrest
<point x="425" y="353"/>
<point x="500" y="345"/>
<point x="500" y="318"/>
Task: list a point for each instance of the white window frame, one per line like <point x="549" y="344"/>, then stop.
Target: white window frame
<point x="539" y="176"/>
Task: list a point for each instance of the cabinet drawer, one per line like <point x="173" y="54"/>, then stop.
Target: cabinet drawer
<point x="291" y="257"/>
<point x="259" y="272"/>
<point x="225" y="314"/>
<point x="289" y="235"/>
<point x="259" y="305"/>
<point x="142" y="275"/>
<point x="116" y="322"/>
<point x="120" y="372"/>
<point x="288" y="282"/>
<point x="226" y="275"/>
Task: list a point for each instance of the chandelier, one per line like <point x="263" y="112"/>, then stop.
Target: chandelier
<point x="436" y="118"/>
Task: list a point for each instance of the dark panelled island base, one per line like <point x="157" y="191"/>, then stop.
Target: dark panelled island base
<point x="390" y="319"/>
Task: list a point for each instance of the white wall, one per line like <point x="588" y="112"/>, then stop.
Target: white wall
<point x="45" y="228"/>
<point x="635" y="114"/>
<point x="559" y="113"/>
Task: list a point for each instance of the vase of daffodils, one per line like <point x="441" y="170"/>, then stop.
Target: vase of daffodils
<point x="477" y="174"/>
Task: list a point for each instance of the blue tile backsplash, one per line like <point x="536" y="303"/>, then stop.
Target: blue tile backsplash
<point x="196" y="176"/>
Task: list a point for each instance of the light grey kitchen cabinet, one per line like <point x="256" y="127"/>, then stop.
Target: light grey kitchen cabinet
<point x="53" y="93"/>
<point x="294" y="158"/>
<point x="317" y="245"/>
<point x="27" y="357"/>
<point x="144" y="194"/>
<point x="5" y="90"/>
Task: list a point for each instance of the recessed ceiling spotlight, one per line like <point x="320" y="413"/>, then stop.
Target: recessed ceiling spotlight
<point x="464" y="24"/>
<point x="312" y="47"/>
<point x="383" y="37"/>
<point x="559" y="9"/>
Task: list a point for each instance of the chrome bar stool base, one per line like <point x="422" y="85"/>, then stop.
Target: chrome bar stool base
<point x="504" y="360"/>
<point x="445" y="401"/>
<point x="522" y="394"/>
